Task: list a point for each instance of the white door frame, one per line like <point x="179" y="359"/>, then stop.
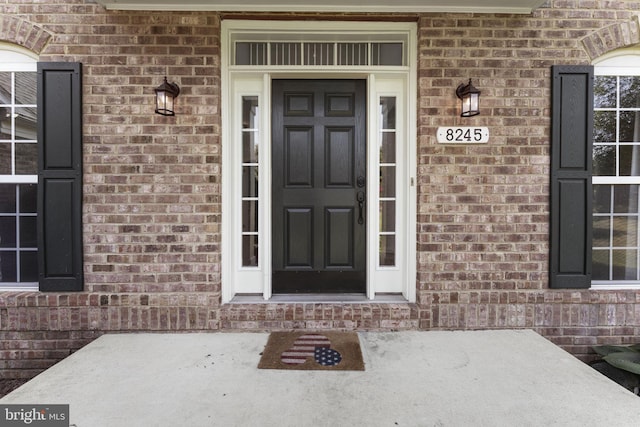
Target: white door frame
<point x="252" y="84"/>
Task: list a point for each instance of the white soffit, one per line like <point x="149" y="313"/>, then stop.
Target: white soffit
<point x="386" y="6"/>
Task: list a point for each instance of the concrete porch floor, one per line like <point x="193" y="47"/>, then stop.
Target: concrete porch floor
<point x="433" y="378"/>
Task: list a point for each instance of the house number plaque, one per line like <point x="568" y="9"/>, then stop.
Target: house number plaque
<point x="463" y="135"/>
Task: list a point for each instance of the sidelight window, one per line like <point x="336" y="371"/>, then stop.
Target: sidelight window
<point x="250" y="169"/>
<point x="387" y="173"/>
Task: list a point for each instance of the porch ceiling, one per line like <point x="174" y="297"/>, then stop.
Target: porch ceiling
<point x="401" y="6"/>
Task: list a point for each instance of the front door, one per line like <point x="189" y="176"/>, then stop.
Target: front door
<point x="319" y="186"/>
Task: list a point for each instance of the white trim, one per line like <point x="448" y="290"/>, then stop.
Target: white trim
<point x="18" y="179"/>
<point x="411" y="182"/>
<point x="18" y="287"/>
<point x="381" y="6"/>
<point x="371" y="185"/>
<point x="17" y="59"/>
<point x="626" y="57"/>
<point x="618" y="70"/>
<point x="226" y="270"/>
<point x="621" y="62"/>
<point x="239" y="81"/>
<point x="615" y="180"/>
<point x="265" y="186"/>
<point x="619" y="286"/>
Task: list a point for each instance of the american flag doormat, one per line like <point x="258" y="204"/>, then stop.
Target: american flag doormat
<point x="331" y="351"/>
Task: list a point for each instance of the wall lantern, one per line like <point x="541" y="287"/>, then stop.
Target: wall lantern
<point x="166" y="94"/>
<point x="469" y="99"/>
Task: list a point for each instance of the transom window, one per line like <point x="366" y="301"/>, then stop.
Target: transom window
<point x="616" y="171"/>
<point x="320" y="53"/>
<point x="18" y="170"/>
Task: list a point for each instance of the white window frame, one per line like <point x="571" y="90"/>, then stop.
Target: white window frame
<point x="242" y="81"/>
<point x="624" y="62"/>
<point x="16" y="59"/>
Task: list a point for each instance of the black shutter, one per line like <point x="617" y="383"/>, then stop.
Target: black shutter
<point x="60" y="176"/>
<point x="571" y="188"/>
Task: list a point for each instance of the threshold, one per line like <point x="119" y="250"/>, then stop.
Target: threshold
<point x="319" y="298"/>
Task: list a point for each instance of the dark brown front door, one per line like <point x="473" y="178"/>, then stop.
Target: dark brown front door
<point x="318" y="185"/>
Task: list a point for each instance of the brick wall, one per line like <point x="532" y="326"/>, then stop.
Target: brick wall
<point x="152" y="184"/>
<point x="483" y="210"/>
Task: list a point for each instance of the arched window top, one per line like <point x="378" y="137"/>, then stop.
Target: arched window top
<point x="15" y="58"/>
<point x="619" y="62"/>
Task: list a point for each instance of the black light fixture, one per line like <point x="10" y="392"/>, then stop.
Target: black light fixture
<point x="469" y="99"/>
<point x="166" y="94"/>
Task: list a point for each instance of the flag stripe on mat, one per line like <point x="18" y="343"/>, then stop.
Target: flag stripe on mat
<point x="303" y="348"/>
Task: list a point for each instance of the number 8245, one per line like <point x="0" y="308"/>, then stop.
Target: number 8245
<point x="463" y="135"/>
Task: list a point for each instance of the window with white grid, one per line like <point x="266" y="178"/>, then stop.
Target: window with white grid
<point x="18" y="170"/>
<point x="616" y="174"/>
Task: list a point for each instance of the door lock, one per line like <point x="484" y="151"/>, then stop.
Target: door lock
<point x="360" y="181"/>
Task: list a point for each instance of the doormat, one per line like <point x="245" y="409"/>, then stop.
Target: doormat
<point x="325" y="351"/>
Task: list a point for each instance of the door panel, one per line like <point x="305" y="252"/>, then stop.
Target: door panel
<point x="318" y="194"/>
<point x="298" y="157"/>
<point x="339" y="154"/>
<point x="339" y="224"/>
<point x="299" y="237"/>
